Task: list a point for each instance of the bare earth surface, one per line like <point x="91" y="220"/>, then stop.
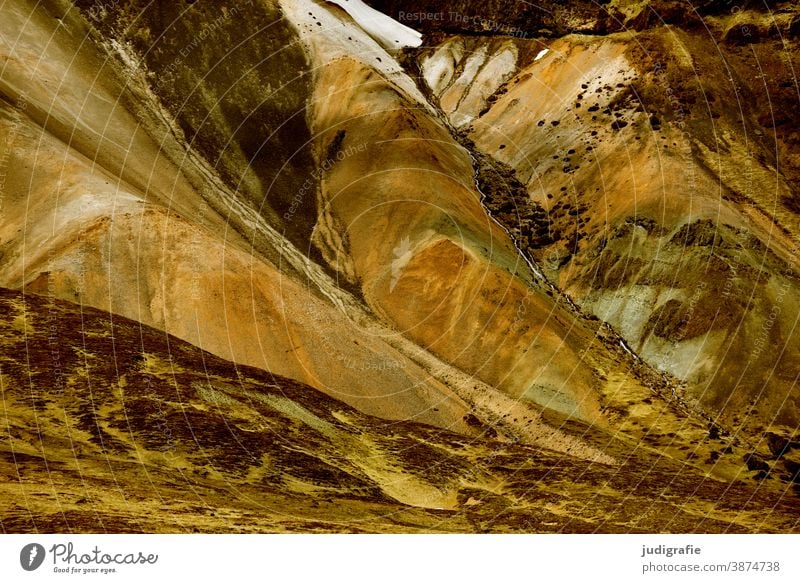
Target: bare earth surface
<point x="301" y="266"/>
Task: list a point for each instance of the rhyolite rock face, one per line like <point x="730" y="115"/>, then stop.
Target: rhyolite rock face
<point x="378" y="283"/>
<point x="670" y="207"/>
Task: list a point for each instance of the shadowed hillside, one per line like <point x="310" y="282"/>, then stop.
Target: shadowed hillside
<point x="112" y="426"/>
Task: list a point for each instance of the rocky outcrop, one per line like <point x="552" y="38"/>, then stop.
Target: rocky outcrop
<point x="500" y="17"/>
<point x="552" y="19"/>
<point x="629" y="146"/>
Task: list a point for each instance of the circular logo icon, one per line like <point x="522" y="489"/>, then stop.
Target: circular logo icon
<point x="31" y="556"/>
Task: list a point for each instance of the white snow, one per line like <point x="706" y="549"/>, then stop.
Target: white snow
<point x="384" y="29"/>
<point x="541" y="53"/>
<point x="328" y="37"/>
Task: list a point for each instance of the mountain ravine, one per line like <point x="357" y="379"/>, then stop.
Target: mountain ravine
<point x="311" y="266"/>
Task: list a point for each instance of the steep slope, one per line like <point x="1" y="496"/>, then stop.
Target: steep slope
<point x="111" y="426"/>
<point x="401" y="219"/>
<point x="283" y="250"/>
<point x="105" y="202"/>
<point x="669" y="208"/>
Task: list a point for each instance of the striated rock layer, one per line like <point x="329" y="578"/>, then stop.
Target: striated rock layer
<point x="668" y="172"/>
<point x="465" y="285"/>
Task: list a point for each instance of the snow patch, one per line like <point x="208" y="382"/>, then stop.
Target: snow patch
<point x="328" y="36"/>
<point x="384" y="29"/>
<point x="540" y="54"/>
